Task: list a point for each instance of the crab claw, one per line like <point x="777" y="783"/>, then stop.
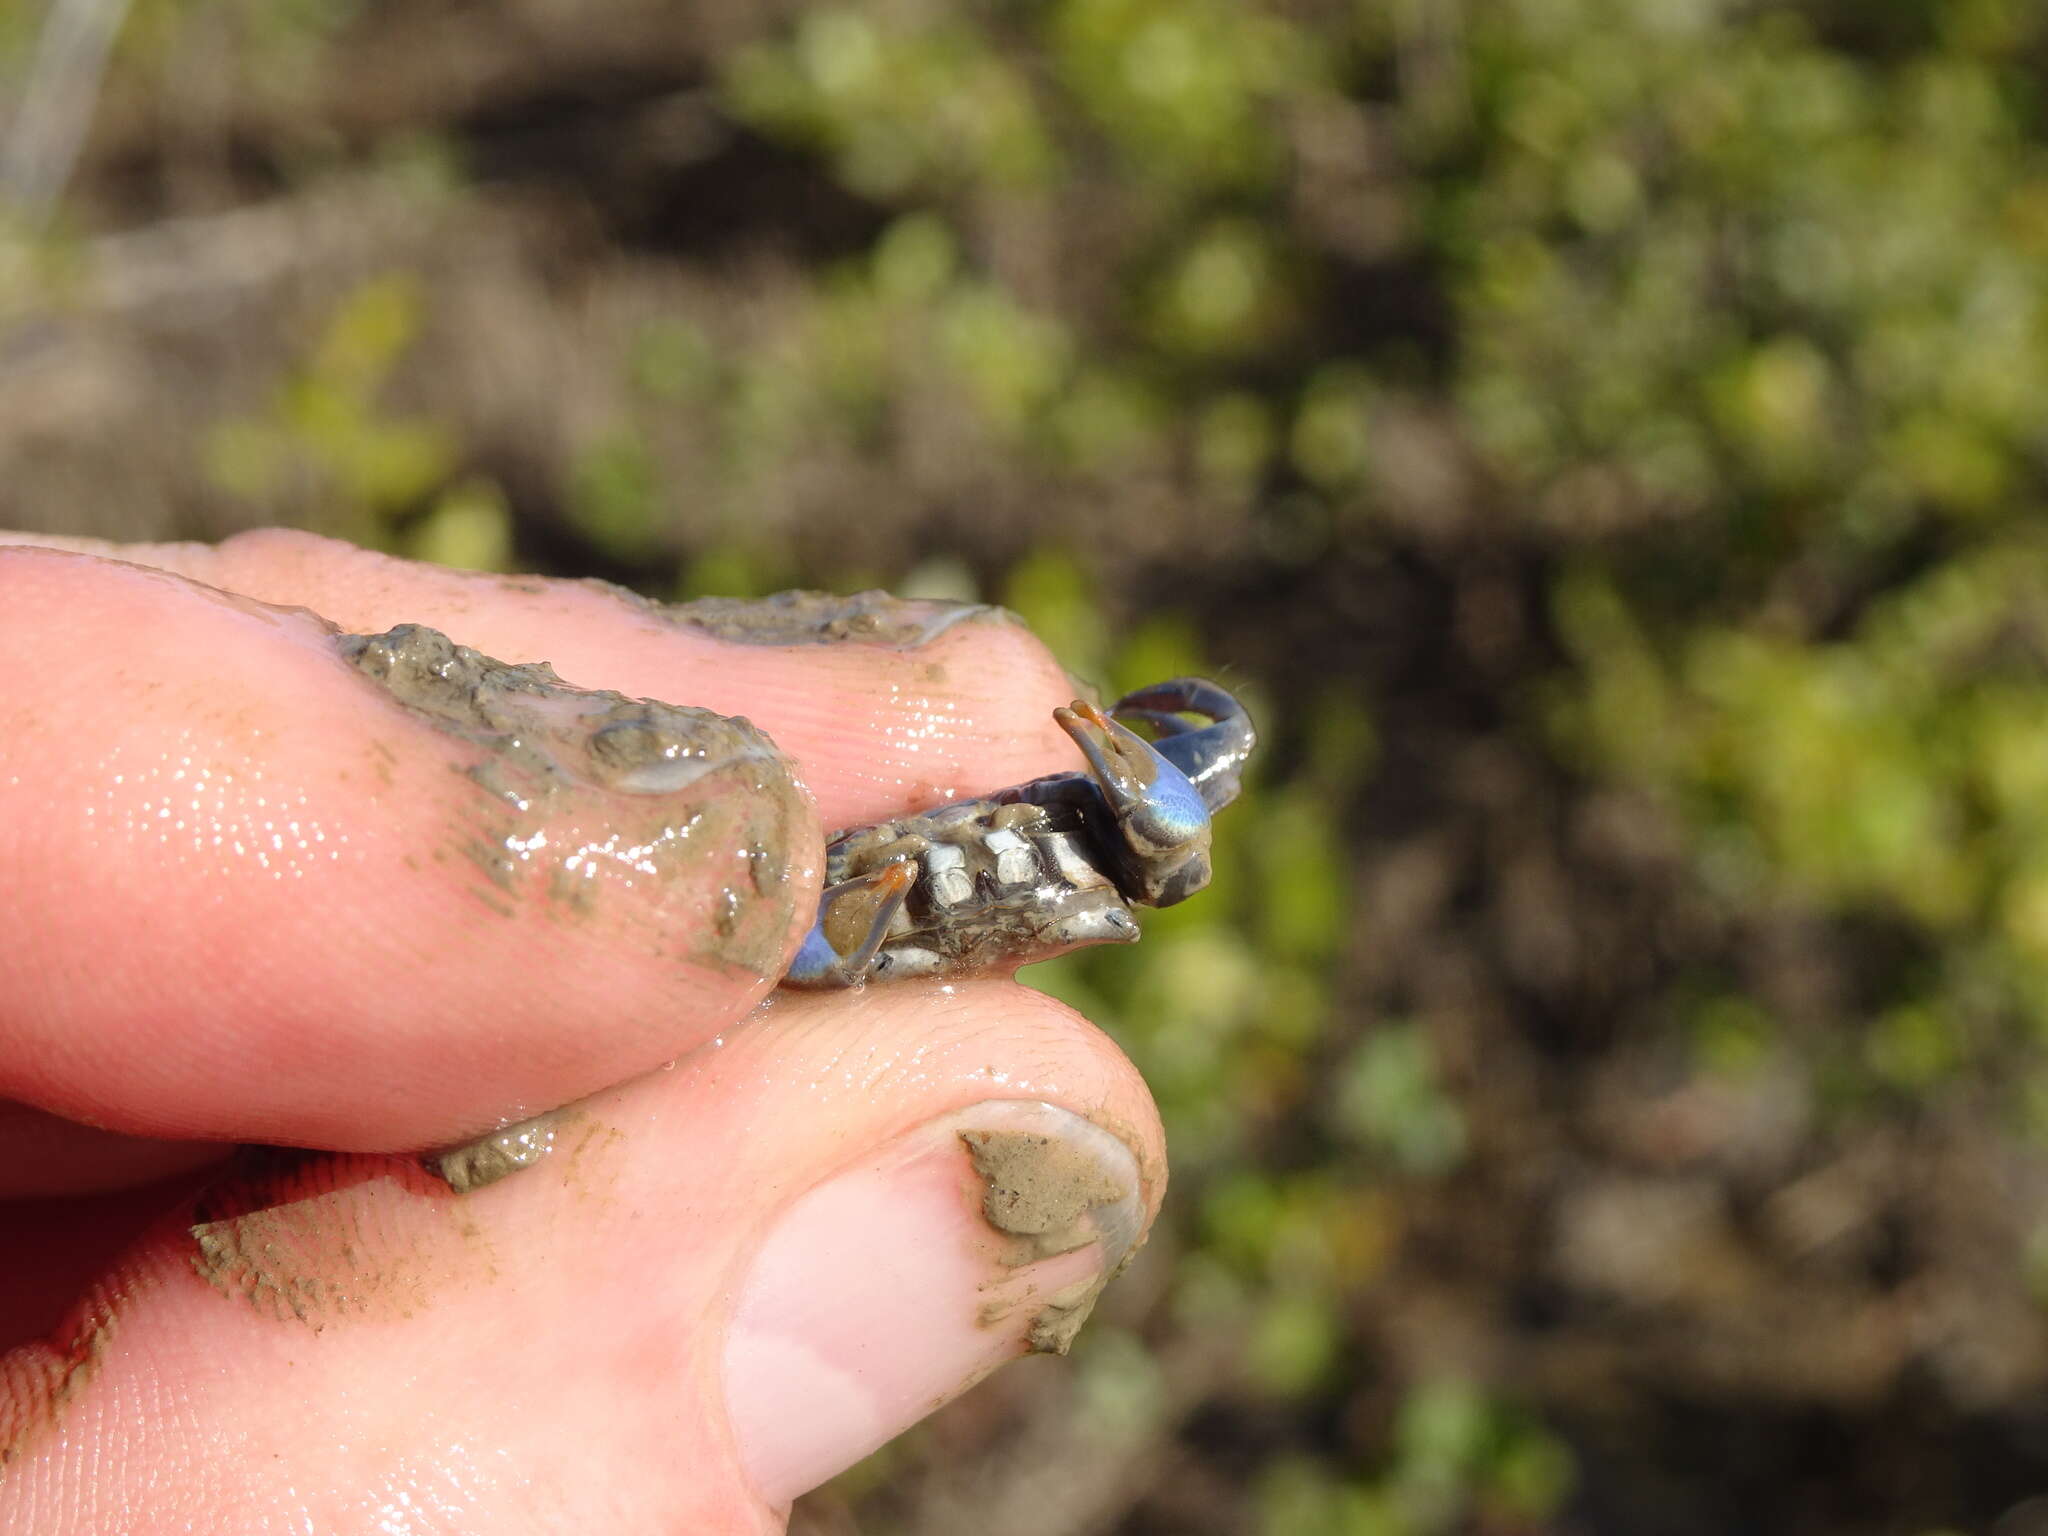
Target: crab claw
<point x="1161" y="834"/>
<point x="853" y="919"/>
<point x="1213" y="755"/>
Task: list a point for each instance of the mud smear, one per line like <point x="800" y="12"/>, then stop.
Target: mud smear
<point x="499" y="1154"/>
<point x="319" y="1238"/>
<point x="39" y="1381"/>
<point x="558" y="769"/>
<point x="524" y="713"/>
<point x="829" y="618"/>
<point x="1051" y="1195"/>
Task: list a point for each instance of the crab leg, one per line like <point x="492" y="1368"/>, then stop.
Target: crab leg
<point x="863" y="907"/>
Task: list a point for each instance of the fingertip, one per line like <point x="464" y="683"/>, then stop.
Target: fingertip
<point x="369" y="890"/>
<point x="887" y="705"/>
<point x="967" y="1205"/>
<point x="726" y="1281"/>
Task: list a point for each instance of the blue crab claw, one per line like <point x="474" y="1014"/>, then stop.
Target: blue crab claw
<point x="1212" y="756"/>
<point x="853" y="919"/>
<point x="1161" y="834"/>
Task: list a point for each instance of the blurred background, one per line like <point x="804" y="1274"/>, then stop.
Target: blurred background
<point x="1603" y="438"/>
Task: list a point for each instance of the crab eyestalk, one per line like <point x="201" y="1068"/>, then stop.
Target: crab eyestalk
<point x="853" y="919"/>
<point x="1159" y="832"/>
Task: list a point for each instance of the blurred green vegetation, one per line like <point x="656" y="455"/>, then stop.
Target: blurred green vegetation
<point x="1601" y="438"/>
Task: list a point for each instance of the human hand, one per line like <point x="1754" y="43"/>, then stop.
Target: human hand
<point x="247" y="895"/>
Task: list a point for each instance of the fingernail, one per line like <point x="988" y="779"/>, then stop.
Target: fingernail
<point x="906" y="1279"/>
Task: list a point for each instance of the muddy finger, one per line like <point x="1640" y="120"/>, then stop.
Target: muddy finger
<point x="721" y="1285"/>
<point x="886" y="706"/>
<point x="268" y="881"/>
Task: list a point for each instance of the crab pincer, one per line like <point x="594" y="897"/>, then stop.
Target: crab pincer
<point x="1213" y="755"/>
<point x="1159" y="835"/>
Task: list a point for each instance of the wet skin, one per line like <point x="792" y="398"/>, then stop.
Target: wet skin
<point x="257" y="891"/>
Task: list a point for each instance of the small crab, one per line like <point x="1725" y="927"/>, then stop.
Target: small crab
<point x="1032" y="871"/>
